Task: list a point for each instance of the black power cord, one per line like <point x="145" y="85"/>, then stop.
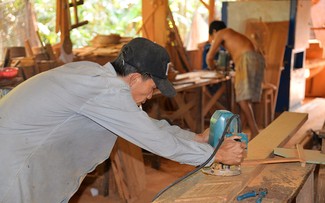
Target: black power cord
<point x="207" y="161"/>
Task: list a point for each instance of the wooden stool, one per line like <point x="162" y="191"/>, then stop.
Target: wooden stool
<point x="267" y="100"/>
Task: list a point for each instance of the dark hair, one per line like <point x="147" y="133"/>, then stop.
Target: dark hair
<point x="216" y="25"/>
<point x="124" y="69"/>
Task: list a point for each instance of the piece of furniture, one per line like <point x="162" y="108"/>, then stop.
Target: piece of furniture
<point x="267" y="104"/>
<point x="315" y="64"/>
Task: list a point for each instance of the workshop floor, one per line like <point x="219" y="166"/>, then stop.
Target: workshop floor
<point x="156" y="180"/>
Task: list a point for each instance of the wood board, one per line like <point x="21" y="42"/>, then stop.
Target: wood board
<point x="276" y="134"/>
<point x="311" y="156"/>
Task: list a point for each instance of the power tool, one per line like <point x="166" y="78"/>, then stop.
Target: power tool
<point x="223" y="123"/>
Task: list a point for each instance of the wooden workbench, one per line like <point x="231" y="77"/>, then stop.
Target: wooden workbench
<point x="193" y="100"/>
<point x="285" y="182"/>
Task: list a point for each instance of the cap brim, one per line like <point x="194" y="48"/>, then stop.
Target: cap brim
<point x="165" y="87"/>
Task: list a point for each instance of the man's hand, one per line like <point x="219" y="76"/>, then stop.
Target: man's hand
<point x="231" y="152"/>
<point x="203" y="137"/>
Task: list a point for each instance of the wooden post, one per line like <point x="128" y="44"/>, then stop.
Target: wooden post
<point x="154" y="15"/>
<point x="210" y="8"/>
<point x="211" y="11"/>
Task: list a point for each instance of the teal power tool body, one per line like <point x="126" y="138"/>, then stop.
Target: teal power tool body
<point x="224" y="122"/>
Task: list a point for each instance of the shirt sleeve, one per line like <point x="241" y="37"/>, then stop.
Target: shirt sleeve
<point x="116" y="111"/>
<point x="174" y="129"/>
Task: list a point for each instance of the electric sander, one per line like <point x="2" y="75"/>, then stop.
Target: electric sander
<point x="223" y="124"/>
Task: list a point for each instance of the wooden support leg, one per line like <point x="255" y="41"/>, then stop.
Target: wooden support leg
<point x="320" y="184"/>
<point x="128" y="168"/>
<point x="306" y="193"/>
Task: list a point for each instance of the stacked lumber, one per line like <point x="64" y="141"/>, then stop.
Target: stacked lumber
<point x="31" y="61"/>
<point x="102" y="45"/>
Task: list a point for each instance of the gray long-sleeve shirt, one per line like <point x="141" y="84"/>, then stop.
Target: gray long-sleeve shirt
<point x="59" y="125"/>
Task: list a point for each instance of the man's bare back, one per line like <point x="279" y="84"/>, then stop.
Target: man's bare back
<point x="235" y="43"/>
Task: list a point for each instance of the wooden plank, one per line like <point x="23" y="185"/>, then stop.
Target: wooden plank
<point x="269" y="161"/>
<point x="225" y="189"/>
<point x="276" y="134"/>
<point x="301" y="155"/>
<point x="311" y="156"/>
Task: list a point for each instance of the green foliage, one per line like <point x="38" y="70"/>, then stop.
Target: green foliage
<point x="104" y="17"/>
<point x="11" y="22"/>
<point x="110" y="16"/>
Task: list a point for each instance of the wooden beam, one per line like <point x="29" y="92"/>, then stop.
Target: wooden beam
<point x="205" y="4"/>
<point x="210" y="8"/>
<point x="154" y="25"/>
<point x="211" y="11"/>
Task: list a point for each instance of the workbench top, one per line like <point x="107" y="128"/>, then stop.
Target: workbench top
<point x="284" y="181"/>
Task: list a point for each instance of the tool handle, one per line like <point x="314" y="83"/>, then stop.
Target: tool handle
<point x="259" y="200"/>
<point x="246" y="195"/>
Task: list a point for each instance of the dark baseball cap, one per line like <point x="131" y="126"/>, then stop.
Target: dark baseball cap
<point x="150" y="58"/>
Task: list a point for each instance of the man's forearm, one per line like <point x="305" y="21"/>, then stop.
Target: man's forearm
<point x="210" y="60"/>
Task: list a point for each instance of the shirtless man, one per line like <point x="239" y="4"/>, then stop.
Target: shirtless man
<point x="249" y="65"/>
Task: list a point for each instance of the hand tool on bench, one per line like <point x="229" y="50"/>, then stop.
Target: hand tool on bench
<point x="261" y="193"/>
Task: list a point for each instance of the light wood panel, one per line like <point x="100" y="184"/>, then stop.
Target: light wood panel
<point x="276" y="134"/>
<point x="270" y="38"/>
<point x="311" y="156"/>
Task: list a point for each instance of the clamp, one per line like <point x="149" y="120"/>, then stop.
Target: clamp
<point x="261" y="193"/>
